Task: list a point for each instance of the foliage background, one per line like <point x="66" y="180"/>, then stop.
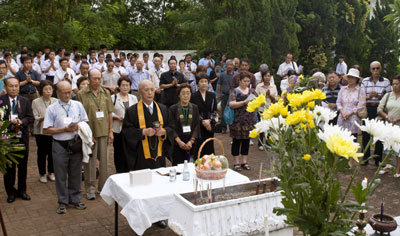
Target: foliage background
<point x="316" y="32"/>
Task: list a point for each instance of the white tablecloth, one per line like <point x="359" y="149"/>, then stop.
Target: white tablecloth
<point x="145" y="204"/>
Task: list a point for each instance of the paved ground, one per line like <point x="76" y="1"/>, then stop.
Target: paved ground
<point x="38" y="216"/>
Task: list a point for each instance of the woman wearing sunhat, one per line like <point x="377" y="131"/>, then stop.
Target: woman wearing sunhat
<point x="351" y="100"/>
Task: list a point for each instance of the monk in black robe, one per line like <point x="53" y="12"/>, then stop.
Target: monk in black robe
<point x="147" y="139"/>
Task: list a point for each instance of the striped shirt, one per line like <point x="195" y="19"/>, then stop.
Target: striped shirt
<point x="331" y="95"/>
<point x="381" y="87"/>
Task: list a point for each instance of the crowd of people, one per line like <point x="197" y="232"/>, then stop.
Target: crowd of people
<point x="77" y="104"/>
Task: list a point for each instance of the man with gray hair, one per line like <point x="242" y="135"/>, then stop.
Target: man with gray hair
<point x="98" y="105"/>
<point x="61" y="121"/>
<point x="138" y="75"/>
<point x="263" y="68"/>
<point x="224" y="86"/>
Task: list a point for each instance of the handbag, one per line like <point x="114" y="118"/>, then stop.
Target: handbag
<point x="75" y="145"/>
<point x="362" y="113"/>
<point x="379" y="117"/>
<point x="229" y="113"/>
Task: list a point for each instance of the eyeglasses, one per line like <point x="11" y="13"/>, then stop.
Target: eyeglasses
<point x="375" y="68"/>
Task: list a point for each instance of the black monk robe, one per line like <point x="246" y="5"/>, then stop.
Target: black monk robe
<point x="132" y="138"/>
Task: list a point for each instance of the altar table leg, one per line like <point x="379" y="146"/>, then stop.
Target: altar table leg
<point x="116" y="220"/>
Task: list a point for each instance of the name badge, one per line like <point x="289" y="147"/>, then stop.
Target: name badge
<point x="186" y="129"/>
<point x="99" y="114"/>
<point x="13" y="116"/>
<point x="67" y="120"/>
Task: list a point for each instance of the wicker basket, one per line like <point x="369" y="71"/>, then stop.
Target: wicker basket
<point x="210" y="174"/>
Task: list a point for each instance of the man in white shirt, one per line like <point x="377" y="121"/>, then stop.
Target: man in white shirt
<point x="64" y="72"/>
<point x="147" y="64"/>
<point x="84" y="72"/>
<point x="115" y="54"/>
<point x="132" y="65"/>
<point x="154" y="76"/>
<point x="341" y="67"/>
<point x="263" y="68"/>
<point x="100" y="65"/>
<point x="109" y="78"/>
<point x="46" y="50"/>
<point x="60" y="53"/>
<point x="92" y="59"/>
<point x="12" y="67"/>
<point x="163" y="64"/>
<point x="120" y="69"/>
<point x="50" y="66"/>
<point x="287" y="65"/>
<point x="37" y="58"/>
<point x="23" y="54"/>
<point x="190" y="66"/>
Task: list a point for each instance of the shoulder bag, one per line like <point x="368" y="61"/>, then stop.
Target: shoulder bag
<point x="362" y="113"/>
<point x="379" y="117"/>
<point x="229" y="113"/>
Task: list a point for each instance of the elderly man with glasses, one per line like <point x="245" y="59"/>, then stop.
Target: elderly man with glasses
<point x="376" y="86"/>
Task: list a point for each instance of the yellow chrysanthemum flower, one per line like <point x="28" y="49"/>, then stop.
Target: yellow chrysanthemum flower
<point x="306" y="157"/>
<point x="318" y="94"/>
<point x="311" y="104"/>
<point x="343" y="147"/>
<point x="295" y="99"/>
<point x="254" y="133"/>
<point x="296" y="117"/>
<point x="255" y="103"/>
<point x="274" y="110"/>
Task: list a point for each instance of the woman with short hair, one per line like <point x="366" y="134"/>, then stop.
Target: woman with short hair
<point x="43" y="142"/>
<point x="122" y="101"/>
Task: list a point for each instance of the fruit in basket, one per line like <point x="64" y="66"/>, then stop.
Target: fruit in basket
<point x="216" y="164"/>
<point x="212" y="162"/>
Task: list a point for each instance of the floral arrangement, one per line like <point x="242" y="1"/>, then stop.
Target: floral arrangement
<point x="311" y="154"/>
<point x="8" y="144"/>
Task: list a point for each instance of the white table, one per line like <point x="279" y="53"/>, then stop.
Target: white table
<point x="145" y="204"/>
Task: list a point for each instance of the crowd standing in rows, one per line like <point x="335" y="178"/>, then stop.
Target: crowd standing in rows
<point x="150" y="110"/>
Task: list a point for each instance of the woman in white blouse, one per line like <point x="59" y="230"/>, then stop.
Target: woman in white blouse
<point x="122" y="101"/>
<point x="43" y="142"/>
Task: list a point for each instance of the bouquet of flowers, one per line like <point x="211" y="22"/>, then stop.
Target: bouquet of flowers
<point x="8" y="144"/>
<point x="311" y="154"/>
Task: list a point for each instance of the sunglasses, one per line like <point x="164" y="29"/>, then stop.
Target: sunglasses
<point x="376" y="68"/>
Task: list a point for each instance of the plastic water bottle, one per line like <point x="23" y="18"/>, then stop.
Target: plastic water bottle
<point x="185" y="172"/>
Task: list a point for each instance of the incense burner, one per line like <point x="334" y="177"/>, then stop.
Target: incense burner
<point x="235" y="210"/>
<point x="386" y="225"/>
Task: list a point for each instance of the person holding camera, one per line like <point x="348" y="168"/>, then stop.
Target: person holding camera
<point x="61" y="121"/>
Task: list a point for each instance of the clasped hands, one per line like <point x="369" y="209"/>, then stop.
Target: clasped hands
<point x="151" y="132"/>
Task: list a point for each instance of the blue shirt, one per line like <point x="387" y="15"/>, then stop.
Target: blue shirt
<point x="135" y="76"/>
<point x="204" y="62"/>
<point x="29" y="87"/>
<point x="61" y="114"/>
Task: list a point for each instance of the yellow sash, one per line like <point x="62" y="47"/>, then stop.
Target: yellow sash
<point x="142" y="124"/>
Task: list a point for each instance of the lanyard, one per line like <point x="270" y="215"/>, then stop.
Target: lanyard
<point x="44" y="102"/>
<point x="95" y="100"/>
<point x="185" y="112"/>
<point x="66" y="110"/>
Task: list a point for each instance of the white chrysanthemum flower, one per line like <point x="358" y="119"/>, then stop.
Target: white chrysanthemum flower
<point x="340" y="141"/>
<point x="386" y="132"/>
<point x="323" y="114"/>
<point x="1" y="114"/>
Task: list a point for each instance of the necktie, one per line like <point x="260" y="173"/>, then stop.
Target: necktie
<point x="13" y="106"/>
<point x="150" y="110"/>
